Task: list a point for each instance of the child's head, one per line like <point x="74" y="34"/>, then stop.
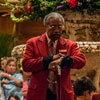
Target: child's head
<point x="13" y="97"/>
<point x="84" y="87"/>
<point x="3" y="63"/>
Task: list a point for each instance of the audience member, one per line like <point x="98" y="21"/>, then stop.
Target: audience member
<point x="11" y="80"/>
<point x="85" y="90"/>
<point x="26" y="81"/>
<point x="1" y="90"/>
<point x="3" y="63"/>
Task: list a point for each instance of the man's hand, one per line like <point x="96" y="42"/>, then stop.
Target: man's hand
<point x="55" y="57"/>
<point x="57" y="60"/>
<point x="54" y="64"/>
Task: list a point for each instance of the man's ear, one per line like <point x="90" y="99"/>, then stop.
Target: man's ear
<point x="86" y="93"/>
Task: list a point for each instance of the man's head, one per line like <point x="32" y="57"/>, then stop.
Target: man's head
<point x="54" y="23"/>
<point x="84" y="87"/>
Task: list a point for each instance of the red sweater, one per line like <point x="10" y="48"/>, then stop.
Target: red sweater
<point x="96" y="96"/>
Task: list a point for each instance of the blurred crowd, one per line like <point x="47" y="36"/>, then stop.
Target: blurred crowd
<point x="13" y="82"/>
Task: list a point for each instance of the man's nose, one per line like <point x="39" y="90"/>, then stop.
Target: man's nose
<point x="56" y="29"/>
<point x="11" y="66"/>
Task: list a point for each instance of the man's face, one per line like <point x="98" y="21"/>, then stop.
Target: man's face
<point x="54" y="28"/>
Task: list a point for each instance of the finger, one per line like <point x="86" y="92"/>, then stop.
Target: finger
<point x="60" y="54"/>
<point x="56" y="57"/>
<point x="51" y="67"/>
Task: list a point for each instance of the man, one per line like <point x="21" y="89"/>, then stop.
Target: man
<point x="84" y="89"/>
<point x="44" y="54"/>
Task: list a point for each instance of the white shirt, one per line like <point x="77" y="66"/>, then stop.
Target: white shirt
<point x="48" y="39"/>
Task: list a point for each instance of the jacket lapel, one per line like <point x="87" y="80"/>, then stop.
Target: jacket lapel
<point x="43" y="45"/>
<point x="61" y="46"/>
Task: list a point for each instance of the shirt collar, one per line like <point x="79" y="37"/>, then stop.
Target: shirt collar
<point x="48" y="39"/>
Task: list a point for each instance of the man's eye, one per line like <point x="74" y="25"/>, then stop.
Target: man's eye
<point x="52" y="26"/>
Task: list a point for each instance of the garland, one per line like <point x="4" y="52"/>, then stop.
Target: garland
<point x="48" y="4"/>
<point x="34" y="9"/>
<point x="21" y="19"/>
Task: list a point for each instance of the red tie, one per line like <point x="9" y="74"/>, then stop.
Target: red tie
<point x="51" y="77"/>
<point x="51" y="43"/>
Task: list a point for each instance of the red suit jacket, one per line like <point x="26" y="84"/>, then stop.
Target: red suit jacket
<point x="36" y="49"/>
<point x="96" y="96"/>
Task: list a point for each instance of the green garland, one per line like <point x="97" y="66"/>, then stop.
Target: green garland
<point x="34" y="9"/>
<point x="48" y="4"/>
<point x="21" y="19"/>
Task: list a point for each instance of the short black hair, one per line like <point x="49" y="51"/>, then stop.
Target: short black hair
<point x="83" y="84"/>
<point x="14" y="96"/>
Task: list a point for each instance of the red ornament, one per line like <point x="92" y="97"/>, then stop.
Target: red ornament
<point x="73" y="3"/>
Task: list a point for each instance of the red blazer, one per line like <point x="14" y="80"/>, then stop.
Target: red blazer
<point x="96" y="96"/>
<point x="36" y="49"/>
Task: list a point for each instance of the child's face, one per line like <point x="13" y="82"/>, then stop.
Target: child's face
<point x="89" y="96"/>
<point x="11" y="68"/>
<point x="3" y="64"/>
<point x="12" y="98"/>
